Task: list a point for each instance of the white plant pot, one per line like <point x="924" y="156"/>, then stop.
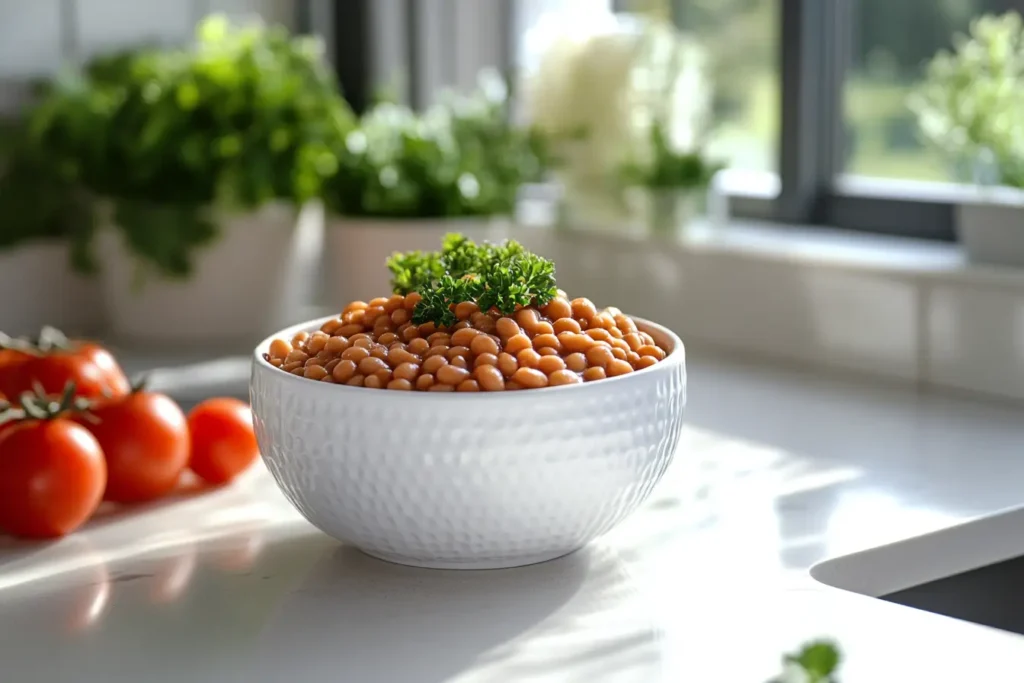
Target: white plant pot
<point x="991" y="227"/>
<point x="258" y="277"/>
<point x="357" y="249"/>
<point x="40" y="288"/>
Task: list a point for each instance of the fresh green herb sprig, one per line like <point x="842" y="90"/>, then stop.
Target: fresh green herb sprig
<point x="500" y="276"/>
<point x="815" y="662"/>
<point x="670" y="169"/>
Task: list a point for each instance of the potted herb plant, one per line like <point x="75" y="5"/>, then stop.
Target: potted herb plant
<point x="204" y="162"/>
<point x="405" y="180"/>
<point x="969" y="107"/>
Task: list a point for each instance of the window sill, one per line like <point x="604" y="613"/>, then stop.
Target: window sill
<point x="893" y="307"/>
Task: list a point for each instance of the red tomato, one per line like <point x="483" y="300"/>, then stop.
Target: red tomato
<point x="223" y="440"/>
<point x="52" y="476"/>
<point x="92" y="368"/>
<point x="145" y="440"/>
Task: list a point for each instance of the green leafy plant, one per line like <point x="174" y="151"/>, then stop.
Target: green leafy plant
<point x="499" y="276"/>
<point x="461" y="158"/>
<point x="969" y="103"/>
<point x="669" y="169"/>
<point x="170" y="137"/>
<point x="815" y="662"/>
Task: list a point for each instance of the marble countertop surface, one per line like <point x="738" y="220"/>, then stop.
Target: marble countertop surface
<point x="706" y="583"/>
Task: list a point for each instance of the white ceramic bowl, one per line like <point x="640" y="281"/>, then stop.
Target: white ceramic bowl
<point x="471" y="481"/>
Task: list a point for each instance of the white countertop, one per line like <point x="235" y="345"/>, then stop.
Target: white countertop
<point x="707" y="583"/>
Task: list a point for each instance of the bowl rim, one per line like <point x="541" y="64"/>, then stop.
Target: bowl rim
<point x="675" y="357"/>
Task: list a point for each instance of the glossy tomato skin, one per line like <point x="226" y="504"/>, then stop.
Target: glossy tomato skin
<point x="52" y="476"/>
<point x="223" y="440"/>
<point x="93" y="369"/>
<point x="144" y="437"/>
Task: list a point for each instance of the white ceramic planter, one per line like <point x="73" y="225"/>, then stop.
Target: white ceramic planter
<point x="39" y="288"/>
<point x="259" y="275"/>
<point x="991" y="227"/>
<point x="357" y="249"/>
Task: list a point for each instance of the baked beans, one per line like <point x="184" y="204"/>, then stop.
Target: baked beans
<point x="375" y="344"/>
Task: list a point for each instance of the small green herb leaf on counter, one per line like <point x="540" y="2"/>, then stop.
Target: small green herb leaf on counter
<point x="815" y="662"/>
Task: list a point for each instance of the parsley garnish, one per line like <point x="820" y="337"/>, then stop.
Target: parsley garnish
<point x="500" y="276"/>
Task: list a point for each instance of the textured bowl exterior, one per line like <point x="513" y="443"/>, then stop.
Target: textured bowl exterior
<point x="469" y="481"/>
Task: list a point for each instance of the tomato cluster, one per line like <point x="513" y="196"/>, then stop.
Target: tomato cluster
<point x="80" y="434"/>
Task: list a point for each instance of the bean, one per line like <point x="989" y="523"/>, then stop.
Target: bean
<point x="394" y="302"/>
<point x="440" y="339"/>
<point x="384" y="376"/>
<point x="619" y="354"/>
<point x="316" y="372"/>
<point x="528" y="358"/>
<point x="371" y="314"/>
<point x="625" y="323"/>
<point x="332" y="364"/>
<point x="576" y="362"/>
<point x="465" y="310"/>
<point x="618" y="367"/>
<point x="387" y="339"/>
<point x="646" y="362"/>
<point x="461" y="325"/>
<point x="464" y="336"/>
<point x="355" y="353"/>
<point x="337" y="344"/>
<point x="483" y="344"/>
<point x="633" y="341"/>
<point x="485" y="359"/>
<point x="449" y="374"/>
<point x="407" y="371"/>
<point x="370" y="365"/>
<point x="379" y="301"/>
<point x="550" y="364"/>
<point x="457" y="351"/>
<point x="331" y="325"/>
<point x="485" y="325"/>
<point x="399" y="356"/>
<point x="530" y="378"/>
<point x="615" y="332"/>
<point x="276" y="362"/>
<point x="400" y="385"/>
<point x="560" y="377"/>
<point x="507" y="364"/>
<point x="527" y="318"/>
<point x="400" y="316"/>
<point x="632" y="357"/>
<point x="512" y="385"/>
<point x="489" y="378"/>
<point x="344" y="370"/>
<point x="566" y="325"/>
<point x="427" y="329"/>
<point x="383" y="324"/>
<point x="459" y="362"/>
<point x="547" y="351"/>
<point x="574" y="343"/>
<point x="599" y="355"/>
<point x="584" y="323"/>
<point x="507" y="327"/>
<point x="356" y="381"/>
<point x="543" y="327"/>
<point x="315" y="360"/>
<point x="620" y="344"/>
<point x="300" y="338"/>
<point x="411" y="299"/>
<point x="433" y="364"/>
<point x="583" y="308"/>
<point x="300" y="372"/>
<point x="328" y="379"/>
<point x="603" y="320"/>
<point x="612" y="311"/>
<point x="436" y="351"/>
<point x="517" y="343"/>
<point x="647" y="339"/>
<point x="363" y="343"/>
<point x="355" y="306"/>
<point x="411" y="334"/>
<point x="468" y="385"/>
<point x="380" y="352"/>
<point x="599" y="334"/>
<point x="441" y="387"/>
<point x="348" y="330"/>
<point x="592" y="374"/>
<point x="547" y="340"/>
<point x="558" y="308"/>
<point x="279" y="348"/>
<point x="418" y="346"/>
<point x="479" y="318"/>
<point x="651" y="350"/>
<point x="296" y="355"/>
<point x="316" y="342"/>
<point x="353" y="317"/>
<point x="288" y="367"/>
<point x="424" y="382"/>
